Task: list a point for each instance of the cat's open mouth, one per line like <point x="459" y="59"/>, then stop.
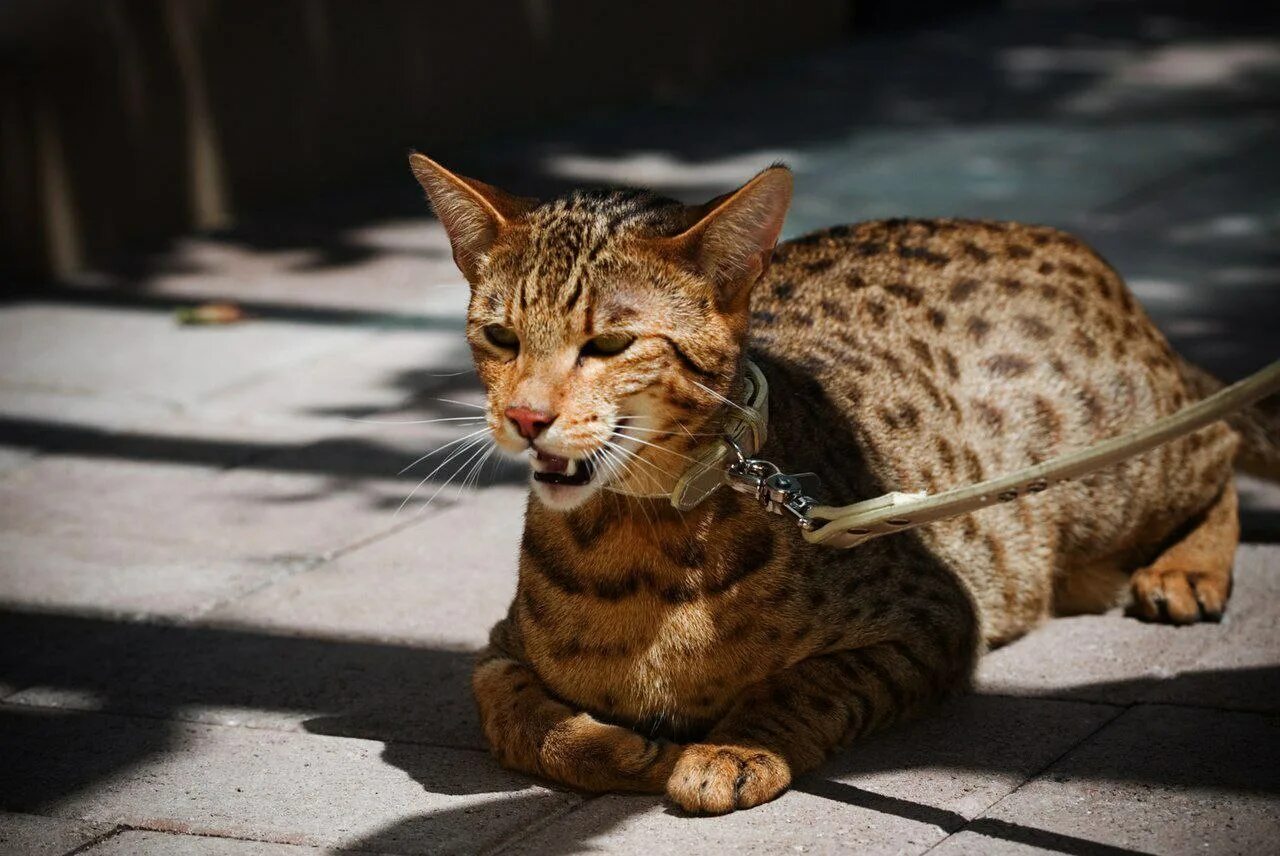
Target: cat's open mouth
<point x="553" y="469"/>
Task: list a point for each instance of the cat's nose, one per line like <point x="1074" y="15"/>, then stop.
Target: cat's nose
<point x="529" y="422"/>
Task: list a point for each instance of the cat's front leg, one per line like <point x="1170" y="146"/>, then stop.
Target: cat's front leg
<point x="789" y="723"/>
<point x="531" y="731"/>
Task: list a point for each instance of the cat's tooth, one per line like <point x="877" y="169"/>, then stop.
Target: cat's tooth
<point x="572" y="468"/>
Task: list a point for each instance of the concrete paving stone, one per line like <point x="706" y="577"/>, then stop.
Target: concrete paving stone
<point x="901" y="791"/>
<point x="796" y="822"/>
<point x="34" y="645"/>
<point x="1159" y="779"/>
<point x="140" y="843"/>
<point x="12" y="457"/>
<point x="967" y="755"/>
<point x="123" y="577"/>
<point x="401" y="266"/>
<point x="134" y="537"/>
<point x="377" y="643"/>
<point x="331" y="493"/>
<point x="146" y="353"/>
<point x="240" y="513"/>
<point x="1240" y="670"/>
<point x="1106" y="658"/>
<point x="1036" y="171"/>
<point x="445" y="580"/>
<point x="144" y="429"/>
<point x="269" y="786"/>
<point x="240" y="676"/>
<point x="115" y="537"/>
<point x="1121" y="660"/>
<point x="384" y="371"/>
<point x="31" y="835"/>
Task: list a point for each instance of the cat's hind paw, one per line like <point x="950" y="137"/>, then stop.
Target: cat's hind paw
<point x="1178" y="596"/>
<point x="715" y="779"/>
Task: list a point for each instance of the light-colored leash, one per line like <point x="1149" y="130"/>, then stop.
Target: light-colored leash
<point x="729" y="461"/>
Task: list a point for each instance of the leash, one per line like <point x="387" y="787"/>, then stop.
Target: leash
<point x="729" y="461"/>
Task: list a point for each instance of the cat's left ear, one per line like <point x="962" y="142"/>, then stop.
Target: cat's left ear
<point x="473" y="213"/>
<point x="733" y="239"/>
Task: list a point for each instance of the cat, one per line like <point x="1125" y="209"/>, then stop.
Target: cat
<point x="712" y="654"/>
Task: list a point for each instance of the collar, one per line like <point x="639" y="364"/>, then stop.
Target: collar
<point x="745" y="431"/>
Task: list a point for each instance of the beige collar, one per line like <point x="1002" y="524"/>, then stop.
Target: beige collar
<point x="746" y="427"/>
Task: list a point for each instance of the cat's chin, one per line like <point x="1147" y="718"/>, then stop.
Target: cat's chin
<point x="562" y="497"/>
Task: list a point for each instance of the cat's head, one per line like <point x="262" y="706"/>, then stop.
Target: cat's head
<point x="607" y="327"/>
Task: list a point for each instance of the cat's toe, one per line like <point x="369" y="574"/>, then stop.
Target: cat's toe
<point x="1179" y="597"/>
<point x="711" y="779"/>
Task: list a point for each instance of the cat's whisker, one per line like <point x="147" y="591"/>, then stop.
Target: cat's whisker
<point x="689" y="433"/>
<point x="472" y="478"/>
<point x="442" y="448"/>
<point x="633" y="457"/>
<point x="660" y="448"/>
<point x="619" y="458"/>
<point x="608" y="465"/>
<point x="641" y="504"/>
<point x="471" y="444"/>
<point x="732" y="404"/>
<point x="413" y="421"/>
<point x="461" y="403"/>
<point x="616" y="464"/>
<point x="668" y="431"/>
<point x="477" y="453"/>
<point x="461" y="450"/>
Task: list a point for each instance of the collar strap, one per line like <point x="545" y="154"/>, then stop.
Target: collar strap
<point x="745" y="430"/>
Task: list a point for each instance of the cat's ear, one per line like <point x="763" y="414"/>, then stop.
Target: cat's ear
<point x="733" y="238"/>
<point x="473" y="213"/>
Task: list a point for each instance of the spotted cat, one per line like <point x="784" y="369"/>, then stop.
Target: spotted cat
<point x="712" y="654"/>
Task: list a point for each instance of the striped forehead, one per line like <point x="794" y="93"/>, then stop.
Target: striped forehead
<point x="569" y="256"/>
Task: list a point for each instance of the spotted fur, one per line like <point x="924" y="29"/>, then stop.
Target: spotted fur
<point x="712" y="654"/>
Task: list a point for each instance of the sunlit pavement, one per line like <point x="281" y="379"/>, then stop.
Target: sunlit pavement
<point x="230" y="625"/>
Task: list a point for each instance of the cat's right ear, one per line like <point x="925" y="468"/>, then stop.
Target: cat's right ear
<point x="473" y="213"/>
<point x="732" y="241"/>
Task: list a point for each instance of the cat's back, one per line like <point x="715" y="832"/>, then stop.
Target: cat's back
<point x="982" y="312"/>
<point x="958" y="350"/>
<point x="1003" y="329"/>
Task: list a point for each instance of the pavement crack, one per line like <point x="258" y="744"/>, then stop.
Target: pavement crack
<point x="550" y="819"/>
<point x="96" y="840"/>
<point x="983" y="825"/>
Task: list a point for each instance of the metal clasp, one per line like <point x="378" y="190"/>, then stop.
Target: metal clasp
<point x="776" y="491"/>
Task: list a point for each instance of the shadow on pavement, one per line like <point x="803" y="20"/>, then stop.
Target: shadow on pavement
<point x="408" y="696"/>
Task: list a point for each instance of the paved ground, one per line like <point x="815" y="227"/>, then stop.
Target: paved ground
<point x="218" y="635"/>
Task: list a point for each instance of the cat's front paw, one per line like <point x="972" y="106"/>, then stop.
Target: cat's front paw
<point x="715" y="779"/>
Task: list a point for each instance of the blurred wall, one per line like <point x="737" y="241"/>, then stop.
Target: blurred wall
<point x="124" y="121"/>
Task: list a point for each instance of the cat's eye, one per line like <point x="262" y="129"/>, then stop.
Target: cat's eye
<point x="503" y="337"/>
<point x="607" y="345"/>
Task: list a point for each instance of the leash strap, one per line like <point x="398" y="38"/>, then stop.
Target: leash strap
<point x="850" y="525"/>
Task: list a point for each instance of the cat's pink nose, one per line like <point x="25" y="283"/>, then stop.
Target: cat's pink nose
<point x="529" y="422"/>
